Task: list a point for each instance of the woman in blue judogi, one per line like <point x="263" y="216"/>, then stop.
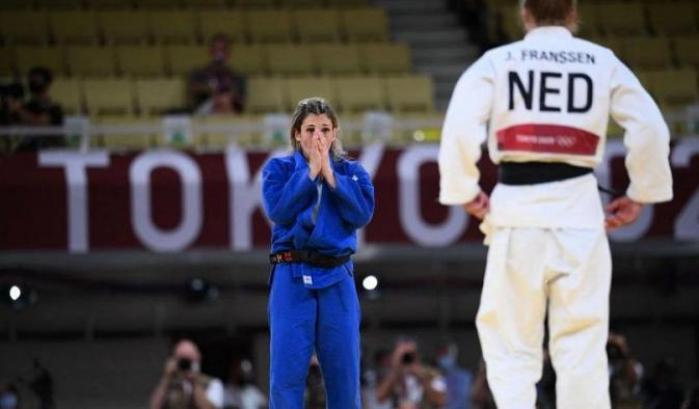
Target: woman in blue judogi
<point x="316" y="199"/>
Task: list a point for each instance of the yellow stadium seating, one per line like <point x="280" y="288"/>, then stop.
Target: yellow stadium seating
<point x="14" y="5"/>
<point x="127" y="141"/>
<point x="123" y="26"/>
<point x="386" y="58"/>
<point x="621" y="18"/>
<point x="336" y="59"/>
<point x="685" y="49"/>
<point x="675" y="19"/>
<point x="199" y="4"/>
<point x="24" y="27"/>
<point x="140" y="61"/>
<point x="264" y="95"/>
<point x="219" y="139"/>
<point x="300" y="88"/>
<point x="183" y="59"/>
<point x="49" y="57"/>
<point x="104" y="97"/>
<point x="269" y="25"/>
<point x="173" y="26"/>
<point x="288" y="59"/>
<point x="301" y="4"/>
<point x="507" y="18"/>
<point x="356" y="94"/>
<point x="91" y="61"/>
<point x="675" y="88"/>
<point x="646" y="53"/>
<point x="588" y="24"/>
<point x="410" y="93"/>
<point x="74" y="27"/>
<point x="7" y="61"/>
<point x="67" y="92"/>
<point x="247" y="59"/>
<point x="158" y="4"/>
<point x="228" y="22"/>
<point x="348" y="3"/>
<point x="158" y="95"/>
<point x="365" y="24"/>
<point x="109" y="4"/>
<point x="319" y="25"/>
<point x="54" y="5"/>
<point x="254" y="4"/>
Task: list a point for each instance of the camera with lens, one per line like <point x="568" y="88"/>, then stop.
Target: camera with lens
<point x="184" y="364"/>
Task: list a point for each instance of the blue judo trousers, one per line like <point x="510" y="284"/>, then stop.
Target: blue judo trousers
<point x="314" y="308"/>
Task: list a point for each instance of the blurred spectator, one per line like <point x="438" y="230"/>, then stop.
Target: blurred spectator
<point x="692" y="401"/>
<point x="625" y="373"/>
<point x="241" y="391"/>
<point x="409" y="384"/>
<point x="381" y="368"/>
<point x="183" y="385"/>
<point x="9" y="397"/>
<point x="40" y="110"/>
<point x="481" y="396"/>
<point x="216" y="88"/>
<point x="315" y="389"/>
<point x="11" y="96"/>
<point x="458" y="379"/>
<point x="661" y="389"/>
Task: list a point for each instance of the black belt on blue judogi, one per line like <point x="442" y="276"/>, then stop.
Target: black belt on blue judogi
<point x="310" y="257"/>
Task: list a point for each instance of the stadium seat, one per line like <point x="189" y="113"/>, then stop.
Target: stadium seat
<point x="677" y="19"/>
<point x="365" y="24"/>
<point x="158" y="4"/>
<point x="301" y="4"/>
<point x="316" y="25"/>
<point x="685" y="49"/>
<point x="109" y="4"/>
<point x="675" y="88"/>
<point x="300" y="88"/>
<point x="123" y="26"/>
<point x="348" y="3"/>
<point x="91" y="61"/>
<point x="336" y="59"/>
<point x="54" y="5"/>
<point x="508" y="18"/>
<point x="288" y="59"/>
<point x="588" y="24"/>
<point x="7" y="61"/>
<point x="183" y="59"/>
<point x="386" y="58"/>
<point x="228" y="22"/>
<point x="269" y="25"/>
<point x="264" y="95"/>
<point x="105" y="97"/>
<point x="410" y="93"/>
<point x="127" y="141"/>
<point x="621" y="18"/>
<point x="49" y="57"/>
<point x="247" y="59"/>
<point x="140" y="61"/>
<point x="173" y="26"/>
<point x="356" y="94"/>
<point x="200" y="4"/>
<point x="157" y="96"/>
<point x="24" y="27"/>
<point x="74" y="27"/>
<point x="67" y="92"/>
<point x="219" y="139"/>
<point x="646" y="53"/>
<point x="255" y="4"/>
<point x="15" y="5"/>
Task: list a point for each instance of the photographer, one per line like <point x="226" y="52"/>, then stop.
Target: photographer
<point x="183" y="386"/>
<point x="409" y="384"/>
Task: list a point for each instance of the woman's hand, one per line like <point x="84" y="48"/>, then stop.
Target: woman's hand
<point x="315" y="158"/>
<point x="323" y="147"/>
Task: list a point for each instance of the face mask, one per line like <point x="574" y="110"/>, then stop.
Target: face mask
<point x="447" y="361"/>
<point x="8" y="401"/>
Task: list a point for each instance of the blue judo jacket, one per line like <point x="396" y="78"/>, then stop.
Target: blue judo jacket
<point x="310" y="215"/>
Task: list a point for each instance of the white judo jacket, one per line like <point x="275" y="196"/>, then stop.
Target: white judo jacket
<point x="548" y="98"/>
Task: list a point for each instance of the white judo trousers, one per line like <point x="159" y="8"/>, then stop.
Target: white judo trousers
<point x="528" y="269"/>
